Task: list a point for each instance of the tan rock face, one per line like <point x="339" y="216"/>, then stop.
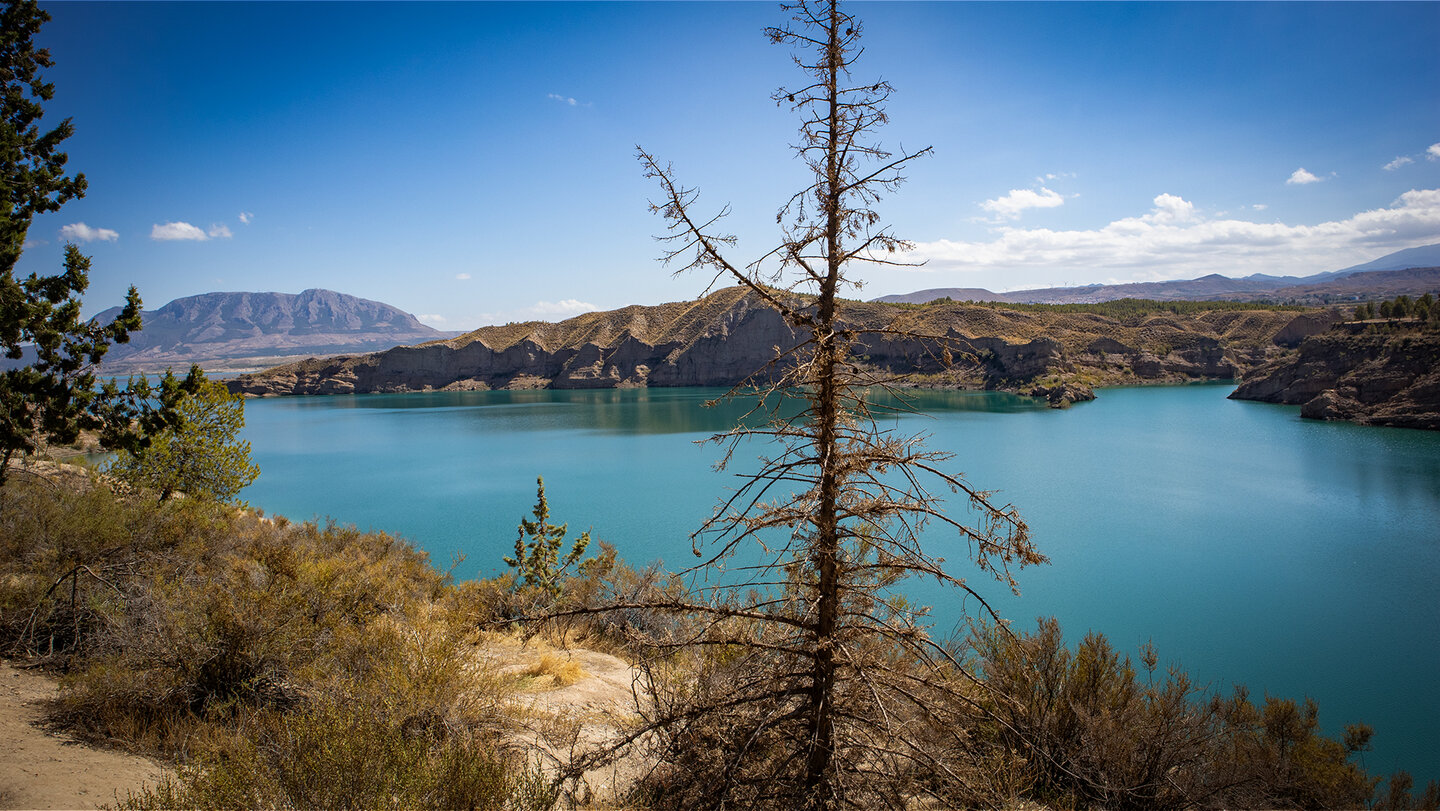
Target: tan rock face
<point x="1305" y="325"/>
<point x="731" y="336"/>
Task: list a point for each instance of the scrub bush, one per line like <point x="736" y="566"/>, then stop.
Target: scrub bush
<point x="337" y="756"/>
<point x="283" y="665"/>
<point x="1095" y="733"/>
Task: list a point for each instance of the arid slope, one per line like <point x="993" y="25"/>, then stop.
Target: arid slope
<point x="731" y="334"/>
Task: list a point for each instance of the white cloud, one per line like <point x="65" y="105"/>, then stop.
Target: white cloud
<point x="1170" y="208"/>
<point x="432" y="320"/>
<point x="80" y="232"/>
<point x="557" y="310"/>
<point x="1260" y="206"/>
<point x="562" y="99"/>
<point x="172" y="231"/>
<point x="1041" y="180"/>
<point x="1300" y="177"/>
<point x="1018" y="200"/>
<point x="246" y="217"/>
<point x="540" y="311"/>
<point x="462" y="276"/>
<point x="1433" y="152"/>
<point x="1173" y="241"/>
<point x="1398" y="162"/>
<point x="183" y="231"/>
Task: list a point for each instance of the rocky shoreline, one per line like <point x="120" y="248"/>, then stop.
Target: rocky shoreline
<point x="722" y="339"/>
<point x="1385" y="378"/>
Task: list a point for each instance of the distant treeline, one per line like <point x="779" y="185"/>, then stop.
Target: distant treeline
<point x="1423" y="309"/>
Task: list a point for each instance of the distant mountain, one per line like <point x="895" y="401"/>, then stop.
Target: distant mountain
<point x="223" y="331"/>
<point x="1425" y="256"/>
<point x="1369" y="285"/>
<point x="1368" y="280"/>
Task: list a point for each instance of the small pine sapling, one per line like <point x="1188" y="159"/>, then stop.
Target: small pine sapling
<point x="537" y="561"/>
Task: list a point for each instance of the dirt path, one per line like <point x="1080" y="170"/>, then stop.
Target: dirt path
<point x="39" y="769"/>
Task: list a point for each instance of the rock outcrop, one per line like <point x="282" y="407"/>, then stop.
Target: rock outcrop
<point x="1063" y="395"/>
<point x="731" y="336"/>
<point x="1372" y="379"/>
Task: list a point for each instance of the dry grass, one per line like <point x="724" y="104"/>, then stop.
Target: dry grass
<point x="554" y="670"/>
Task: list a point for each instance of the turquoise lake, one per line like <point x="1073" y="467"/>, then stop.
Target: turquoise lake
<point x="1297" y="557"/>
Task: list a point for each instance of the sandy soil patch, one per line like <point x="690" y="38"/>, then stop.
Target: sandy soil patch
<point x="570" y="700"/>
<point x="40" y="769"/>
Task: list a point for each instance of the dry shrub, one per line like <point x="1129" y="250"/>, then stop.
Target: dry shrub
<point x="1095" y="733"/>
<point x="344" y="757"/>
<point x="739" y="741"/>
<point x="554" y="670"/>
<point x="602" y="606"/>
<point x="1398" y="796"/>
<point x="416" y="665"/>
<point x="236" y="613"/>
<point x="283" y="665"/>
<point x="63" y="543"/>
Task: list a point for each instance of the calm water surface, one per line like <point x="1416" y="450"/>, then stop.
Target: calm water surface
<point x="1251" y="546"/>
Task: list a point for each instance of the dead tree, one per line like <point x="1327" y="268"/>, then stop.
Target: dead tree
<point x="818" y="685"/>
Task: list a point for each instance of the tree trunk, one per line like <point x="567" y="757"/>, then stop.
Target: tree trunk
<point x="819" y="787"/>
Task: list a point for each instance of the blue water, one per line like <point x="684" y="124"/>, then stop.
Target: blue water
<point x="1300" y="558"/>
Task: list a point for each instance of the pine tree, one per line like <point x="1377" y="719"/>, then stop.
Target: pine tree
<point x="199" y="452"/>
<point x="55" y="396"/>
<point x="537" y="560"/>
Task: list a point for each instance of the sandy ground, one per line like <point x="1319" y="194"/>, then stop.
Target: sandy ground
<point x="574" y="717"/>
<point x="39" y="769"/>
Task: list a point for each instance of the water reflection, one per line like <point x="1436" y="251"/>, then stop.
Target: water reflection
<point x="658" y="410"/>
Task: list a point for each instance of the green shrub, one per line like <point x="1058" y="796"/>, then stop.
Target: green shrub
<point x="199" y="454"/>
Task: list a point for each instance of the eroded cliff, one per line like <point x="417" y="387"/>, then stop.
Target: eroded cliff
<point x="1373" y="379"/>
<point x="730" y="335"/>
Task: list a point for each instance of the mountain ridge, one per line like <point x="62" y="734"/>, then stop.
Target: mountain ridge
<point x="1347" y="284"/>
<point x="223" y="329"/>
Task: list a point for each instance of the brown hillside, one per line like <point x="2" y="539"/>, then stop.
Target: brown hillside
<point x="725" y="337"/>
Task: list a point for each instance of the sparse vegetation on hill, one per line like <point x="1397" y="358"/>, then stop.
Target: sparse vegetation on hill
<point x="723" y="338"/>
<point x="1321" y="290"/>
<point x="1380" y="368"/>
<point x="1400" y="313"/>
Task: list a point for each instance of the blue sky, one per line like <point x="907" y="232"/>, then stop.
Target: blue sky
<point x="474" y="163"/>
